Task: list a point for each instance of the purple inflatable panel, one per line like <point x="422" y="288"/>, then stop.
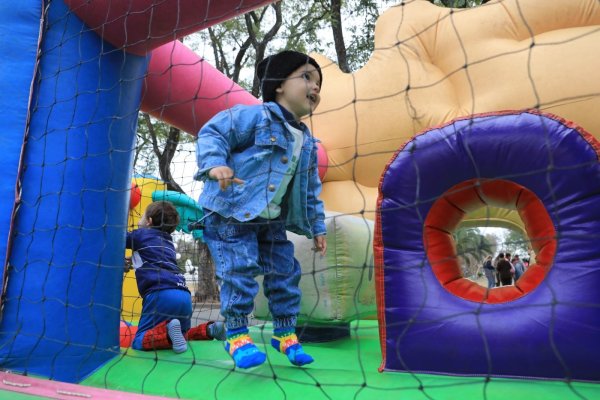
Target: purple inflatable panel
<point x="551" y="331"/>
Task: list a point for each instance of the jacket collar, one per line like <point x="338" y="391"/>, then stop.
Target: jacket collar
<point x="284" y="115"/>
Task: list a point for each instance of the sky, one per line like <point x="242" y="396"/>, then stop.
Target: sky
<point x="183" y="168"/>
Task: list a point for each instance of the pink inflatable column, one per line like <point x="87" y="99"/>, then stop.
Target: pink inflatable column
<point x="185" y="90"/>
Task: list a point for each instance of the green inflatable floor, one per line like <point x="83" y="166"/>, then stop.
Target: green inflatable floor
<point x="6" y="395"/>
<point x="344" y="369"/>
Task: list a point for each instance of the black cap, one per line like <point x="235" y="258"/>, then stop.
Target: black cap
<point x="273" y="70"/>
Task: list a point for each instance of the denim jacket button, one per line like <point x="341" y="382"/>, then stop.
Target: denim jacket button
<point x="273" y="139"/>
<point x="284" y="160"/>
<point x="247" y="215"/>
<point x="271" y="188"/>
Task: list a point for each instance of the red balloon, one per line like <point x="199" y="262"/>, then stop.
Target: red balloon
<point x="135" y="197"/>
<point x="322" y="160"/>
<point x="126" y="334"/>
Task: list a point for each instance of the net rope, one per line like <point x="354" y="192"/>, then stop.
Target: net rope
<point x="163" y="373"/>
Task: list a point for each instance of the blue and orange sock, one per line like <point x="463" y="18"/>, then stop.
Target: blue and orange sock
<point x="242" y="349"/>
<point x="285" y="341"/>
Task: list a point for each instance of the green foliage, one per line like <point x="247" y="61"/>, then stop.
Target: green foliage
<point x="285" y="25"/>
<point x="363" y="14"/>
<point x="306" y="26"/>
<point x="458" y="3"/>
<point x="470" y="242"/>
<point x="471" y="248"/>
<point x="516" y="243"/>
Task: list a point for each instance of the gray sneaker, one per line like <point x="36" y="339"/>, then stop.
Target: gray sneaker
<point x="217" y="330"/>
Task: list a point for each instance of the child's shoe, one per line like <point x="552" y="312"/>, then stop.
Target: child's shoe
<point x="207" y="331"/>
<point x="217" y="330"/>
<point x="285" y="341"/>
<point x="242" y="349"/>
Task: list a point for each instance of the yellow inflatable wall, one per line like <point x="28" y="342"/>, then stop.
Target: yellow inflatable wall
<point x="433" y="64"/>
<point x="132" y="302"/>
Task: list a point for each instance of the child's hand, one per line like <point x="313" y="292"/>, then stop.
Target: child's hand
<point x="128" y="264"/>
<point x="225" y="176"/>
<point x="320" y="244"/>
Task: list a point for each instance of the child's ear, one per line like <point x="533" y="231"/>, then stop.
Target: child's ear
<point x="150" y="222"/>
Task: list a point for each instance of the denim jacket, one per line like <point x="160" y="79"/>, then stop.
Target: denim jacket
<point x="254" y="142"/>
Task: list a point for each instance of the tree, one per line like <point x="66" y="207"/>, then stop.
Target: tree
<point x="516" y="243"/>
<point x="240" y="44"/>
<point x="458" y="3"/>
<point x="195" y="260"/>
<point x="471" y="248"/>
<point x="157" y="144"/>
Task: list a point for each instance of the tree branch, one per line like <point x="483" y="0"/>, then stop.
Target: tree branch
<point x="152" y="134"/>
<point x="164" y="161"/>
<point x="338" y="35"/>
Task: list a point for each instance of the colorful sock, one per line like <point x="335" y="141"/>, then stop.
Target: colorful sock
<point x="241" y="348"/>
<point x="177" y="339"/>
<point x="217" y="330"/>
<point x="285" y="341"/>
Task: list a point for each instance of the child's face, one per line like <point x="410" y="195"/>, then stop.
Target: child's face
<point x="144" y="221"/>
<point x="299" y="93"/>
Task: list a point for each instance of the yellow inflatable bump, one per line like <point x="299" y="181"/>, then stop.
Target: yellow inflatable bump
<point x="433" y="64"/>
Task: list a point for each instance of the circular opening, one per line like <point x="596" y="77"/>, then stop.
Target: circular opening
<point x="485" y="234"/>
<point x="449" y="210"/>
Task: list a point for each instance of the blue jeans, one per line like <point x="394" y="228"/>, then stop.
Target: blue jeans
<point x="243" y="250"/>
<point x="490" y="274"/>
<point x="163" y="305"/>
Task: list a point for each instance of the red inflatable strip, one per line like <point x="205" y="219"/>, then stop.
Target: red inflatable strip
<point x="139" y="26"/>
<point x="448" y="211"/>
<point x="380" y="280"/>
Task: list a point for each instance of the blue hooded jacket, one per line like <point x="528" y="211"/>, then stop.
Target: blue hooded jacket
<point x="154" y="260"/>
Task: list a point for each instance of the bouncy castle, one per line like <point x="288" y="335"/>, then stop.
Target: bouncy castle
<point x="472" y="117"/>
